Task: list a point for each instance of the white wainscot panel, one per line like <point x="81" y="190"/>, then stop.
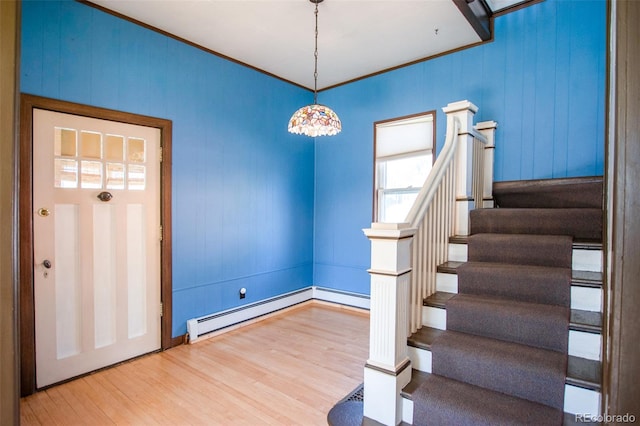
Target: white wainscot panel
<point x="68" y="293"/>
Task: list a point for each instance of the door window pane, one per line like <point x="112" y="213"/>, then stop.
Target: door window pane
<point x="136" y="177"/>
<point x="65" y="143"/>
<point x="114" y="148"/>
<point x="93" y="160"/>
<point x="66" y="173"/>
<point x="136" y="152"/>
<point x="91" y="145"/>
<point x="91" y="174"/>
<point x="115" y="176"/>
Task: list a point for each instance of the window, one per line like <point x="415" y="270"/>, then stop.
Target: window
<point x="93" y="160"/>
<point x="404" y="154"/>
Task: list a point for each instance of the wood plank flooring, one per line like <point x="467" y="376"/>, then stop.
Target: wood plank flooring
<point x="289" y="369"/>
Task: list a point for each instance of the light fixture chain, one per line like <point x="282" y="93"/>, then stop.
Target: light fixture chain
<point x="315" y="120"/>
<point x="315" y="55"/>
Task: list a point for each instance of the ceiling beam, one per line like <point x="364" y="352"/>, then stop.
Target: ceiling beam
<point x="479" y="16"/>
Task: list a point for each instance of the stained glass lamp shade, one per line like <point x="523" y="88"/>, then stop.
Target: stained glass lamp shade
<point x="315" y="120"/>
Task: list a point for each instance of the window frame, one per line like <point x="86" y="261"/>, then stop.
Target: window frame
<point x="399" y="120"/>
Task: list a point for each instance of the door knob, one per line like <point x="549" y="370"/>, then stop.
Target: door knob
<point x="47" y="264"/>
<point x="105" y="196"/>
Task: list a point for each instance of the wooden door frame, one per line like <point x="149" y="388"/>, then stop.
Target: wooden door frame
<point x="26" y="298"/>
<point x="621" y="390"/>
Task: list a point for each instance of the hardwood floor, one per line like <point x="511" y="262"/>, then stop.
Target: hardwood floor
<point x="289" y="369"/>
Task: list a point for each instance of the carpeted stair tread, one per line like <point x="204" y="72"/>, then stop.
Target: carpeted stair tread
<point x="578" y="278"/>
<point x="508" y="326"/>
<point x="442" y="401"/>
<point x="526" y="283"/>
<point x="535" y="250"/>
<point x="577" y="244"/>
<point x="580" y="320"/>
<point x="534" y="374"/>
<point x="574" y="192"/>
<point x="582" y="224"/>
<point x="582" y="372"/>
<point x="533" y="324"/>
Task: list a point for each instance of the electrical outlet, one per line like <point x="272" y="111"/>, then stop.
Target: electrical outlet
<point x="243" y="293"/>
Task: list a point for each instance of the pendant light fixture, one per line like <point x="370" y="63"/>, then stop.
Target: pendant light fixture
<point x="315" y="120"/>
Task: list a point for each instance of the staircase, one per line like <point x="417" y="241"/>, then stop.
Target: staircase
<point x="512" y="334"/>
<point x="486" y="315"/>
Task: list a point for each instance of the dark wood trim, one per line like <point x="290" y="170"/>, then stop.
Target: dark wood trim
<point x="607" y="217"/>
<point x="177" y="341"/>
<point x="433" y="112"/>
<point x="478" y="14"/>
<point x="228" y="58"/>
<point x="515" y="7"/>
<point x="395" y="372"/>
<point x="407" y="64"/>
<point x="190" y="43"/>
<point x="407" y="117"/>
<point x="10" y="12"/>
<point x="622" y="389"/>
<point x="389" y="273"/>
<point x="27" y="314"/>
<point x="166" y="262"/>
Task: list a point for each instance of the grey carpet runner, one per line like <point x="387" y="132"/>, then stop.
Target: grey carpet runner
<point x="581" y="223"/>
<point x="450" y="402"/>
<point x="503" y="358"/>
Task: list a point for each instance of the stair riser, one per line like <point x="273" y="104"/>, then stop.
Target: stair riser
<point x="583" y="260"/>
<point x="576" y="401"/>
<point x="581" y="223"/>
<point x="582" y="298"/>
<point x="581" y="344"/>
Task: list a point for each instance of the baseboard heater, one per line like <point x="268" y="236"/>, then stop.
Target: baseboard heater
<point x="199" y="327"/>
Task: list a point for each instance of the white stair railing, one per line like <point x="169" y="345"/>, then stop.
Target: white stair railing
<point x="405" y="256"/>
<point x="431" y="217"/>
<point x="456" y="184"/>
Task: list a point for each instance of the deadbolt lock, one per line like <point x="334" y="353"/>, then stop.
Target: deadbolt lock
<point x="43" y="212"/>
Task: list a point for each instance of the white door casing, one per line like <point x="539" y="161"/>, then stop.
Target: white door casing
<point x="98" y="303"/>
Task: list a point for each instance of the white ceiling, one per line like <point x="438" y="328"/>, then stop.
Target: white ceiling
<point x="355" y="37"/>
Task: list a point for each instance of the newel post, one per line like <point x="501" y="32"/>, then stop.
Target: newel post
<point x="464" y="111"/>
<point x="488" y="130"/>
<point x="388" y="368"/>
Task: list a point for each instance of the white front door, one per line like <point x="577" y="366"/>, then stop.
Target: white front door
<point x="96" y="231"/>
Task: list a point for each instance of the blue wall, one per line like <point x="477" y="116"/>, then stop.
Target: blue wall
<point x="256" y="207"/>
<point x="542" y="80"/>
<point x="242" y="186"/>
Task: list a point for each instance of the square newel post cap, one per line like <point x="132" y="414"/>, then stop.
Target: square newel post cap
<point x="486" y="125"/>
<point x="390" y="248"/>
<point x="465" y="111"/>
<point x="460" y="106"/>
<point x="381" y="230"/>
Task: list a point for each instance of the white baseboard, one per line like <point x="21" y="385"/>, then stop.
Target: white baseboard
<point x="214" y="324"/>
<point x="355" y="300"/>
